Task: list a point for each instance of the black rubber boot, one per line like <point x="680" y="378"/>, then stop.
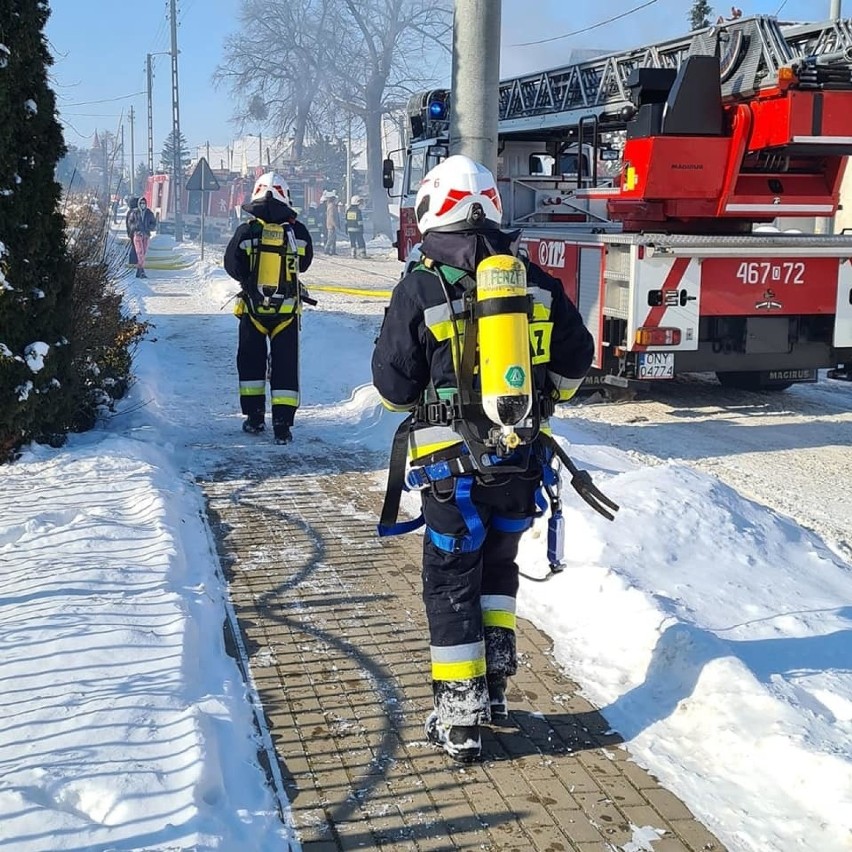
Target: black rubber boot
<point x="462" y="743"/>
<point x="497" y="699"/>
<point x="253" y="424"/>
<point x="283" y="435"/>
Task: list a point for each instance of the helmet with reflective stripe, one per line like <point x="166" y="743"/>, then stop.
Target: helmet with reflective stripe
<point x="274" y="183"/>
<point x="459" y="194"/>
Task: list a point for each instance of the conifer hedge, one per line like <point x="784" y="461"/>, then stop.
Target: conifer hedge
<point x="49" y="368"/>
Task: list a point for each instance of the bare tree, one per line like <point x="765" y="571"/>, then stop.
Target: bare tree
<point x="308" y="66"/>
<point x="387" y="43"/>
<point x="274" y="65"/>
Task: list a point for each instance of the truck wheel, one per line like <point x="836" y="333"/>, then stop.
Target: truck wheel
<point x="750" y="380"/>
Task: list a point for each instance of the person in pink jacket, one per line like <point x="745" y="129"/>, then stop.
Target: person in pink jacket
<point x="140" y="223"/>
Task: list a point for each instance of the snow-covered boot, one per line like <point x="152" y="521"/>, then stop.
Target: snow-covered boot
<point x="364" y="253"/>
<point x="283" y="435"/>
<point x="497" y="699"/>
<point x="462" y="743"/>
<point x="253" y="424"/>
<point x="354" y="253"/>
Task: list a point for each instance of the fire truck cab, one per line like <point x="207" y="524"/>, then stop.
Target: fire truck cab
<point x="655" y="184"/>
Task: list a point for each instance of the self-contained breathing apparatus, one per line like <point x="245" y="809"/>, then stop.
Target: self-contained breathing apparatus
<point x="274" y="275"/>
<point x="497" y="412"/>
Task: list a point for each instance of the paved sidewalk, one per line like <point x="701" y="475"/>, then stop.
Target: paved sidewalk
<point x="334" y="626"/>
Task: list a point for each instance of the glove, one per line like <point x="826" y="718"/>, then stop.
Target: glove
<point x="305" y="296"/>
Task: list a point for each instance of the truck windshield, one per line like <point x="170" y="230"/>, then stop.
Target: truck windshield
<point x="416" y="171"/>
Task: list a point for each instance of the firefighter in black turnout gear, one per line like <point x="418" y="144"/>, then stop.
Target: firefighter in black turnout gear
<point x="266" y="255"/>
<point x="478" y="493"/>
<point x="355" y="227"/>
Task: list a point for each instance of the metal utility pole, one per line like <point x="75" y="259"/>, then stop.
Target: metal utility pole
<point x="150" y="115"/>
<point x="177" y="176"/>
<point x="104" y="149"/>
<point x="476" y="77"/>
<point x="132" y="150"/>
<point x="834" y="13"/>
<point x="348" y="157"/>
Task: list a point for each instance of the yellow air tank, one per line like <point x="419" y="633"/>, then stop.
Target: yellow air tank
<point x="269" y="265"/>
<point x="504" y="343"/>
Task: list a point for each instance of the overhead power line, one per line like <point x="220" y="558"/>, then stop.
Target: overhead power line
<point x="95" y="114"/>
<point x="104" y="101"/>
<point x="589" y="28"/>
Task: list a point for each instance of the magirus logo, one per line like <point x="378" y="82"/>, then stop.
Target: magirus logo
<point x="768" y="303"/>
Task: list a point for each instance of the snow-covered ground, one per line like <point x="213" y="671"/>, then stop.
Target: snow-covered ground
<point x="714" y="630"/>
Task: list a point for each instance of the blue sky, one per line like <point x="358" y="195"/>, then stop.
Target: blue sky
<point x="92" y="67"/>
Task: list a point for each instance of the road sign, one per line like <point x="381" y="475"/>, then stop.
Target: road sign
<point x="202" y="178"/>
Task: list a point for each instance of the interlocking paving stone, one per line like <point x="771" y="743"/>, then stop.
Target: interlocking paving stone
<point x="333" y="623"/>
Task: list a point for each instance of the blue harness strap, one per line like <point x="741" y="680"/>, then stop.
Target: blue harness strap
<point x="548" y="494"/>
<point x="475" y="528"/>
<point x="510" y="525"/>
<point x="400" y="527"/>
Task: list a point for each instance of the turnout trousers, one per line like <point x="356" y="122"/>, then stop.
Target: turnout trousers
<point x="274" y="353"/>
<point x="470" y="596"/>
<point x="356" y="241"/>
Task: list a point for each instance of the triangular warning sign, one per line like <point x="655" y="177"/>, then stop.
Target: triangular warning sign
<point x="202" y="178"/>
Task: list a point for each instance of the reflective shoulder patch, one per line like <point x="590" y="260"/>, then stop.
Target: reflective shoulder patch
<point x="272" y="234"/>
<point x="540" y="334"/>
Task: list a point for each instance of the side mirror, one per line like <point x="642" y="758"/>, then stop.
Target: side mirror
<point x="387" y="173"/>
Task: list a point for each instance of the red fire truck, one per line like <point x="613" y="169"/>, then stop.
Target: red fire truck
<point x="666" y="187"/>
<point x="223" y="205"/>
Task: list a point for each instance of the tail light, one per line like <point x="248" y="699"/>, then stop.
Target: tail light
<point x="657" y="336"/>
<point x="786" y="77"/>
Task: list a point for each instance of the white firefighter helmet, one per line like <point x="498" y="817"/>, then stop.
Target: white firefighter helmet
<point x="458" y="194"/>
<point x="274" y="183"/>
<point x="356" y="200"/>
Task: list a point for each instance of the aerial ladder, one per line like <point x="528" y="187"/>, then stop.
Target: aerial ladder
<point x="754" y="49"/>
<point x="681" y="261"/>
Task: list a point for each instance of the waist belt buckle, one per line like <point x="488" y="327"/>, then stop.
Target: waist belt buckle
<point x="416" y="479"/>
<point x="439" y="413"/>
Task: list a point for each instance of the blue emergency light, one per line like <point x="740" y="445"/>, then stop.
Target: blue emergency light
<point x="438" y="110"/>
<point x="429" y="113"/>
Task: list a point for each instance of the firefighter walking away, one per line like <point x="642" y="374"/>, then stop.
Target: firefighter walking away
<point x="355" y="227"/>
<point x="478" y="347"/>
<point x="266" y="255"/>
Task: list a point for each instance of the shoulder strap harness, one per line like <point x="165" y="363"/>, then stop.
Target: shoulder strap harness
<point x="481" y="455"/>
